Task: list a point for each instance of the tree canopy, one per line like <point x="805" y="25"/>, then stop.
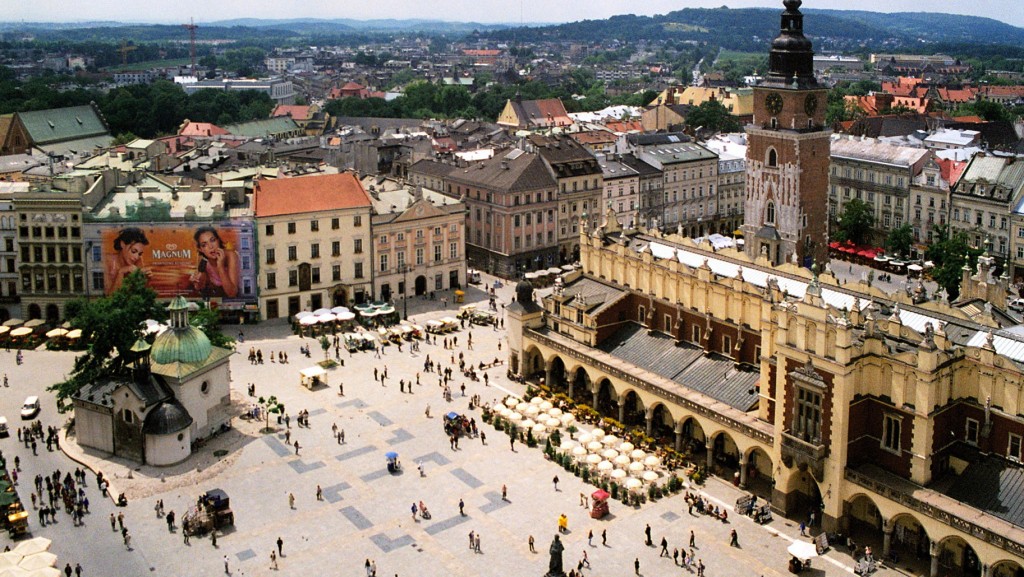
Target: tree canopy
<point x="950" y="253"/>
<point x="111" y="326"/>
<point x="900" y="240"/>
<point x="855" y="222"/>
<point x="713" y="116"/>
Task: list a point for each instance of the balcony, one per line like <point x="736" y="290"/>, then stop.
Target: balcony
<point x="805" y="454"/>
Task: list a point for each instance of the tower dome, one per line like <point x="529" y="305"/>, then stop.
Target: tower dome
<point x="524" y="292"/>
<point x="181" y="342"/>
<point x="791" y="59"/>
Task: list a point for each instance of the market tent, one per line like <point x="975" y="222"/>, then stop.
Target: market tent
<point x="308" y="321"/>
<point x="803" y="550"/>
<point x="33" y="545"/>
<point x="310" y="372"/>
<point x="337" y="310"/>
<point x="13" y="322"/>
<point x="77" y="334"/>
<point x="55" y="333"/>
<point x="21" y="332"/>
<point x="38" y="561"/>
<point x="4" y="330"/>
<point x="345" y="316"/>
<point x="320" y="312"/>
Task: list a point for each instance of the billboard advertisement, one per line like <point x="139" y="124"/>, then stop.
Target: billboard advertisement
<point x="211" y="261"/>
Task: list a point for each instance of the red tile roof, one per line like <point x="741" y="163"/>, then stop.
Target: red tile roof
<point x="951" y="169"/>
<point x="593" y="137"/>
<point x="296" y="111"/>
<point x="471" y="52"/>
<point x="968" y="119"/>
<point x="624" y="126"/>
<point x="306" y="194"/>
<point x="201" y="129"/>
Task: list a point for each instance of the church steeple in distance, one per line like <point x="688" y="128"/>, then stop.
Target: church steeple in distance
<point x="791" y="60"/>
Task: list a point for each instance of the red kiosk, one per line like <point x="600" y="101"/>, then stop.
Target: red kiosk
<point x="600" y="507"/>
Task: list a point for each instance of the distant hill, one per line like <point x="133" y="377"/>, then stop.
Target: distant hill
<point x="342" y="25"/>
<point x="748" y="28"/>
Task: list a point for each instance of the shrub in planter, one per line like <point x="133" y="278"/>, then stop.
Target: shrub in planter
<point x="555" y="438"/>
<point x="531" y="441"/>
<point x="572" y="430"/>
<point x="586" y="475"/>
<point x="641" y="499"/>
<point x="614" y="492"/>
<point x="530" y="392"/>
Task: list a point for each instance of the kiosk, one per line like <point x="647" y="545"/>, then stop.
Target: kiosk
<point x="599" y="508"/>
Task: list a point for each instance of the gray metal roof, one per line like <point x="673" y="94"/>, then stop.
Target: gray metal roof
<point x="993" y="485"/>
<point x="593" y="292"/>
<point x="714" y="375"/>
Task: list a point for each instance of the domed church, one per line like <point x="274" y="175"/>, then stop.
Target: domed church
<point x="178" y="392"/>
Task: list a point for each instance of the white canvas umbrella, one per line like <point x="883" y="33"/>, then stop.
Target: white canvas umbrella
<point x="634" y="484"/>
<point x="308" y="321"/>
<point x="555" y="412"/>
<point x="45" y="572"/>
<point x="553" y="423"/>
<point x="522" y="407"/>
<point x="298" y="316"/>
<point x="327" y="318"/>
<point x="637" y="455"/>
<point x="597" y="433"/>
<point x="618" y="474"/>
<point x="652" y="461"/>
<point x="567" y="419"/>
<point x="622" y="460"/>
<point x="319" y="312"/>
<point x="532" y="411"/>
<point x="13" y="557"/>
<point x="505" y="412"/>
<point x="345" y="316"/>
<point x="514" y="416"/>
<point x="610" y="440"/>
<point x="536" y="400"/>
<point x="610" y="454"/>
<point x="593" y="459"/>
<point x="546" y="406"/>
<point x="539" y="429"/>
<point x="803" y="550"/>
<point x="511" y="402"/>
<point x="527" y="423"/>
<point x="579" y="452"/>
<point x="585" y="438"/>
<point x="605" y="466"/>
<point x="34" y="545"/>
<point x="650" y="476"/>
<point x="594" y="446"/>
<point x="38" y="561"/>
<point x="568" y="445"/>
<point x="626" y="447"/>
<point x="635" y="467"/>
<point x="339" y="310"/>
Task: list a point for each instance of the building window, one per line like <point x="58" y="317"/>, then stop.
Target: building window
<point x="315" y="274"/>
<point x="335" y="223"/>
<point x="1013" y="447"/>
<point x="271" y="256"/>
<point x="437" y="253"/>
<point x="336" y="248"/>
<point x="769" y="213"/>
<point x="293" y="278"/>
<point x="383" y="263"/>
<point x="642" y="314"/>
<point x="358" y="270"/>
<point x="269" y="229"/>
<point x="726" y="345"/>
<point x="773" y="157"/>
<point x="293" y="253"/>
<point x="336" y="272"/>
<point x="971" y="432"/>
<point x="357" y="246"/>
<point x="807" y="415"/>
<point x="695" y="333"/>
<point x="314" y="226"/>
<point x="291" y="228"/>
<point x="357" y="220"/>
<point x="891" y="433"/>
<point x="453" y="250"/>
<point x="97" y="282"/>
<point x="314" y="250"/>
<point x="383" y="239"/>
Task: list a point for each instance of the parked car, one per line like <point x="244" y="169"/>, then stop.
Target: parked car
<point x="3" y="427"/>
<point x="1017" y="304"/>
<point x="31" y="408"/>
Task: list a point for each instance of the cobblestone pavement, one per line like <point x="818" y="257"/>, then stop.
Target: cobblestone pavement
<point x="365" y="512"/>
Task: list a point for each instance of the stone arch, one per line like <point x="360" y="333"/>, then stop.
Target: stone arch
<point x="802" y="496"/>
<point x="533" y="363"/>
<point x="863" y="520"/>
<point x="556" y="378"/>
<point x="1007" y="568"/>
<point x="724" y="458"/>
<point x="956" y="556"/>
<point x="759" y="477"/>
<point x="606" y="399"/>
<point x="909" y="537"/>
<point x="632" y="411"/>
<point x="661" y="423"/>
<point x="581" y="386"/>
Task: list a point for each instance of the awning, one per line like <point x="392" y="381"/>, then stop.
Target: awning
<point x="310" y="372"/>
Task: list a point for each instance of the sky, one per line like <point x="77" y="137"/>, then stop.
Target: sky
<point x="510" y="11"/>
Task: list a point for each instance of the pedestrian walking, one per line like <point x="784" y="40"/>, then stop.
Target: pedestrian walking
<point x="280" y="547"/>
<point x="120" y="520"/>
<point x="414" y="510"/>
<point x="226" y="568"/>
<point x="296" y="446"/>
<point x="693" y="540"/>
<point x="664" y="547"/>
<point x="113" y="523"/>
<point x="127" y="541"/>
<point x="462" y="508"/>
<point x="604" y="537"/>
<point x="532" y="550"/>
<point x="636" y="565"/>
<point x="476" y="544"/>
<point x="504" y="493"/>
<point x="213" y="538"/>
<point x="555" y="482"/>
<point x="734" y="540"/>
<point x="471" y="540"/>
<point x="675" y="556"/>
<point x="512" y="442"/>
<point x="647" y="534"/>
<point x="585" y="561"/>
<point x="273" y="560"/>
<point x="590" y="538"/>
<point x="700" y="568"/>
<point x="319" y="493"/>
<point x="291" y="500"/>
<point x="78" y="570"/>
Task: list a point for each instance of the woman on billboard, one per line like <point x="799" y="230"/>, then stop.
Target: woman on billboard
<point x="129" y="245"/>
<point x="218" y="271"/>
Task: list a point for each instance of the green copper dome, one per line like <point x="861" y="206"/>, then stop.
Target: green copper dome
<point x="181" y="343"/>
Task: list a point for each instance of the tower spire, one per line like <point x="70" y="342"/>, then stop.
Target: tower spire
<point x="791" y="60"/>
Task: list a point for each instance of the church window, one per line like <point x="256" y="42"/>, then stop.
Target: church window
<point x="773" y="157"/>
<point x="807" y="415"/>
<point x="891" y="433"/>
<point x="128" y="416"/>
<point x="769" y="213"/>
<point x="205" y="387"/>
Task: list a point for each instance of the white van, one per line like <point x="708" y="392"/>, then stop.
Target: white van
<point x="31" y="407"/>
<point x="3" y="427"/>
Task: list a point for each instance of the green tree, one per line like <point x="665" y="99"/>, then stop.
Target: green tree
<point x="712" y="115"/>
<point x="111" y="326"/>
<point x="325" y="344"/>
<point x="208" y="321"/>
<point x="855" y="222"/>
<point x="270" y="405"/>
<point x="900" y="240"/>
<point x="950" y="253"/>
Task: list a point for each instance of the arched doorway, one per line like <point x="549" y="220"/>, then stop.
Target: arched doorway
<point x="421" y="285"/>
<point x="759" y="473"/>
<point x="34" y="311"/>
<point x="864" y="523"/>
<point x="533" y="364"/>
<point x="909" y="540"/>
<point x="607" y="405"/>
<point x="803" y="497"/>
<point x="957" y="557"/>
<point x="385" y="292"/>
<point x="633" y="413"/>
<point x="581" y="387"/>
<point x="662" y="425"/>
<point x="338" y="298"/>
<point x="52" y="314"/>
<point x="556" y="371"/>
<point x="1007" y="569"/>
<point x="725" y="456"/>
<point x="692" y="439"/>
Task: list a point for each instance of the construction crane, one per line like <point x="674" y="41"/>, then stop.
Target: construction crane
<point x="191" y="27"/>
<point x="124" y="50"/>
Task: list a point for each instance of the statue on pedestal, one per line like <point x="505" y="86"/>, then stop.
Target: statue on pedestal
<point x="555" y="564"/>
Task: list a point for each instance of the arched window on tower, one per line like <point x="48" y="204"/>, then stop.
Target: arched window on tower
<point x="773" y="158"/>
<point x="769" y="213"/>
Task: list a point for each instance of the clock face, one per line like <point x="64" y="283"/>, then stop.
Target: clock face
<point x="773" y="102"/>
<point x="811" y="104"/>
